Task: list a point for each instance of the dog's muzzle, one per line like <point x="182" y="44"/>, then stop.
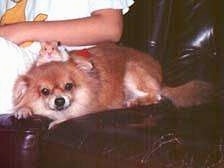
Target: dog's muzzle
<point x="61" y="103"/>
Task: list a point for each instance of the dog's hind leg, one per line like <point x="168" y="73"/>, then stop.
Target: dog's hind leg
<point x="140" y="87"/>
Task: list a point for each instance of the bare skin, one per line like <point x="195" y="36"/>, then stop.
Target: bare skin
<point x="84" y="31"/>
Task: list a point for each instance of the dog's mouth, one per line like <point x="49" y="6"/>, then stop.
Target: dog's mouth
<point x="60" y="108"/>
<point x="59" y="103"/>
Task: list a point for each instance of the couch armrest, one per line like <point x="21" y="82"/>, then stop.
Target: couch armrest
<point x="19" y="142"/>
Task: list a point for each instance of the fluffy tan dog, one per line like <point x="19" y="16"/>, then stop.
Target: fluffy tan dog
<point x="111" y="77"/>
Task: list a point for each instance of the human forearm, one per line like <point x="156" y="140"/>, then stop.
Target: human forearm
<point x="104" y="25"/>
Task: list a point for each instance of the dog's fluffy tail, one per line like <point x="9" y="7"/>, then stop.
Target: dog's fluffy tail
<point x="190" y="94"/>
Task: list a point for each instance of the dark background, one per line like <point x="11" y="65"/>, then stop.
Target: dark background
<point x="137" y="25"/>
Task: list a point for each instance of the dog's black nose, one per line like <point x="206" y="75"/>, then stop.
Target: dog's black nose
<point x="59" y="102"/>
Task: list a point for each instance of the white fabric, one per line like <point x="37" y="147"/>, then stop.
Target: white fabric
<point x="16" y="60"/>
<point x="61" y="9"/>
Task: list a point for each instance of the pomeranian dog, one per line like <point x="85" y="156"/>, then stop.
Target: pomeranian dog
<point x="111" y="77"/>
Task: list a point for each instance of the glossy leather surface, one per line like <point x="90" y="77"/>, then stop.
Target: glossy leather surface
<point x="123" y="138"/>
<point x="118" y="138"/>
<point x="184" y="40"/>
<point x="149" y="136"/>
<point x="19" y="141"/>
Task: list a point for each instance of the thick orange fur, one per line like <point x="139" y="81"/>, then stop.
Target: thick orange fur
<point x="113" y="77"/>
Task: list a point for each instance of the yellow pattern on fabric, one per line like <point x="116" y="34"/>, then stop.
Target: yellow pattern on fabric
<point x="17" y="14"/>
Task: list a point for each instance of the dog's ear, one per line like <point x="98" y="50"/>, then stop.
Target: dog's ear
<point x="20" y="89"/>
<point x="83" y="64"/>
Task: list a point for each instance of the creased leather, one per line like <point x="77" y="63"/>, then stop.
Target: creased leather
<point x="19" y="142"/>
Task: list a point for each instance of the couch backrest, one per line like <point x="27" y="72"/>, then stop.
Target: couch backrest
<point x="179" y="33"/>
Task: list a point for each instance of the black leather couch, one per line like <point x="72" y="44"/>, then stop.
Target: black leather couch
<point x="186" y="37"/>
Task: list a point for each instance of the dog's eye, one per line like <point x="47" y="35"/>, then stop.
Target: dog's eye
<point x="45" y="91"/>
<point x="68" y="86"/>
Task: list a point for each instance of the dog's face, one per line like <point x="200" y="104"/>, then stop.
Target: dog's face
<point x="56" y="95"/>
<point x="53" y="89"/>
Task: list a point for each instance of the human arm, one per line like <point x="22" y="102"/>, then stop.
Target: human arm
<point x="102" y="25"/>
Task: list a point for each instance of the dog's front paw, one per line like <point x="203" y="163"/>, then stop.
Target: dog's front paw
<point x="53" y="124"/>
<point x="23" y="113"/>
